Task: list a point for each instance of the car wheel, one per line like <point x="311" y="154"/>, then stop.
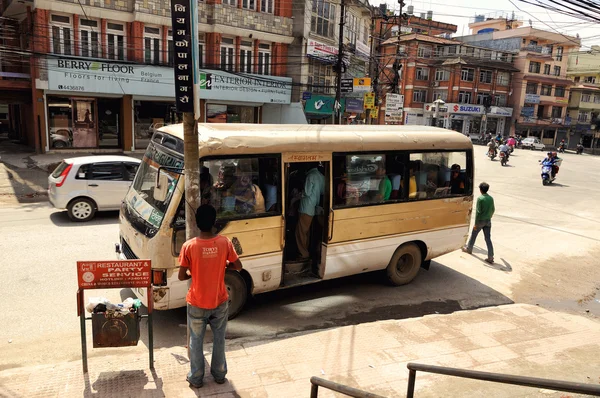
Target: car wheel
<point x="59" y="144"/>
<point x="238" y="292"/>
<point x="404" y="265"/>
<point x="81" y="209"/>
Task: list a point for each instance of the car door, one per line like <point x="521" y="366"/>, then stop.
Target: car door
<point x="106" y="185"/>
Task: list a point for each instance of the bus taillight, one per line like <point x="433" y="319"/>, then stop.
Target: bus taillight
<point x="159" y="277"/>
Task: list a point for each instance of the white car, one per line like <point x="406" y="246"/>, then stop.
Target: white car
<point x="88" y="184"/>
<point x="532" y="143"/>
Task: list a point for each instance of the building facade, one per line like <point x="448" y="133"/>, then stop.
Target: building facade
<point x="540" y="88"/>
<point x="313" y="56"/>
<point x="101" y="73"/>
<point x="473" y="84"/>
<point x="584" y="101"/>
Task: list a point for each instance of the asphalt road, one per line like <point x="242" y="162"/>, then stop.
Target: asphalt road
<point x="547" y="244"/>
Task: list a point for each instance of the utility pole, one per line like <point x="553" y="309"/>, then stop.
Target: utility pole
<point x="339" y="66"/>
<point x="397" y="66"/>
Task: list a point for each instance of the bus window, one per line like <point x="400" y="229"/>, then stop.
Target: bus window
<point x="438" y="174"/>
<point x="363" y="179"/>
<point x="242" y="187"/>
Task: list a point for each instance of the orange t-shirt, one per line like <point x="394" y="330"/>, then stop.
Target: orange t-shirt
<point x="207" y="259"/>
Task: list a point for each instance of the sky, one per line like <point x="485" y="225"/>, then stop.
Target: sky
<point x="461" y="12"/>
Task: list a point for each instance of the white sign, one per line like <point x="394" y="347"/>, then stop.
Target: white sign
<point x="394" y="106"/>
<point x="220" y="85"/>
<point x="465" y="109"/>
<point x="320" y="50"/>
<point x="362" y="49"/>
<point x="532" y="99"/>
<point x="87" y="76"/>
<point x="500" y="111"/>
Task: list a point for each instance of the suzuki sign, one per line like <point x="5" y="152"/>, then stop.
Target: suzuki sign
<point x="466" y="109"/>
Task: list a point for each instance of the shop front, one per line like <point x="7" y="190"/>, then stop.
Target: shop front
<point x="497" y="120"/>
<point x="96" y="105"/>
<point x="465" y="118"/>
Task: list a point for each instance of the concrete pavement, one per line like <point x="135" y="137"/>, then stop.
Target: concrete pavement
<point x="515" y="339"/>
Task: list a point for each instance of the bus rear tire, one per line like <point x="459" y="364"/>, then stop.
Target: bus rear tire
<point x="238" y="292"/>
<point x="404" y="265"/>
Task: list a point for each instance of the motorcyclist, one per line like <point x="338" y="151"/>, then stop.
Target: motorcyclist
<point x="498" y="138"/>
<point x="563" y="145"/>
<point x="550" y="158"/>
<point x="492" y="147"/>
<point x="511" y="142"/>
<point x="504" y="148"/>
<point x="556" y="162"/>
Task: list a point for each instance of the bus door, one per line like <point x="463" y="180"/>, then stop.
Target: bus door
<point x="307" y="216"/>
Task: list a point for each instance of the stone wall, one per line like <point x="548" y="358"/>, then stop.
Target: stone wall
<point x="161" y="8"/>
<point x="230" y="16"/>
<point x="118" y="5"/>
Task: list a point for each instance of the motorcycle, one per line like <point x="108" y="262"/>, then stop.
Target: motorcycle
<point x="491" y="154"/>
<point x="579" y="149"/>
<point x="547" y="177"/>
<point x="503" y="158"/>
<point x="511" y="149"/>
<point x="561" y="148"/>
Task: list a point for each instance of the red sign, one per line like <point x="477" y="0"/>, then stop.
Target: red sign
<point x="113" y="274"/>
<point x="456" y="108"/>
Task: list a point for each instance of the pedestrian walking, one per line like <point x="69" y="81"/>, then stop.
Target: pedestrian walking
<point x="204" y="260"/>
<point x="483" y="221"/>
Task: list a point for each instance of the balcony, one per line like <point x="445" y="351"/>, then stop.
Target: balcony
<point x="16" y="76"/>
<point x="589" y="105"/>
<point x="537" y="49"/>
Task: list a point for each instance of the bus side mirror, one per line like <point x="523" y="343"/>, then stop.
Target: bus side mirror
<point x="162" y="187"/>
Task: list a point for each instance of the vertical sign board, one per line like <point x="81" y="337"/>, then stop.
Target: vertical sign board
<point x="181" y="19"/>
<point x="347" y="85"/>
<point x="394" y="106"/>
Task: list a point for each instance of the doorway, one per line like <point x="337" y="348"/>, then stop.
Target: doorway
<point x="306" y="221"/>
<point x="109" y="133"/>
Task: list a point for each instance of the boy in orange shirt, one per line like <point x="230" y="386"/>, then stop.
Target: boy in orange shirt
<point x="204" y="259"/>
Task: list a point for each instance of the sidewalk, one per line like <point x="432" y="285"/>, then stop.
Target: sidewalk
<point x="515" y="339"/>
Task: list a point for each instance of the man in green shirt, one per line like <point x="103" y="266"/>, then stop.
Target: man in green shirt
<point x="483" y="220"/>
<point x="385" y="185"/>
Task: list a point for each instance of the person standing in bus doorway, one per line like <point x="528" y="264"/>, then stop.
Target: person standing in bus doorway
<point x="314" y="186"/>
<point x="204" y="260"/>
<point x="483" y="221"/>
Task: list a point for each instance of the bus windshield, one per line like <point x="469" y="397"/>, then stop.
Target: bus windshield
<point x="141" y="195"/>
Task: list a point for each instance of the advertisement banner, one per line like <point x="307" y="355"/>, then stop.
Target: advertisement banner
<point x="500" y="111"/>
<point x="362" y="85"/>
<point x="465" y="109"/>
<point x="354" y="105"/>
<point x="323" y="105"/>
<point x="220" y="85"/>
<point x="316" y="49"/>
<point x="532" y="99"/>
<point x="527" y="111"/>
<point x="183" y="57"/>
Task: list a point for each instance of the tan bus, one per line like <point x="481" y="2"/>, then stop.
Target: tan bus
<point x="384" y="198"/>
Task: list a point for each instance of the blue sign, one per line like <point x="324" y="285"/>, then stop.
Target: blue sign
<point x="568" y="121"/>
<point x="306" y="95"/>
<point x="355" y="105"/>
<point x="527" y="111"/>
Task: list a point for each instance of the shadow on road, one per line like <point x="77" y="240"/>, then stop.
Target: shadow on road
<point x="340" y="302"/>
<point x="61" y="219"/>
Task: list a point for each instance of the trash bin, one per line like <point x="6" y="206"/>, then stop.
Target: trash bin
<point x="115" y="329"/>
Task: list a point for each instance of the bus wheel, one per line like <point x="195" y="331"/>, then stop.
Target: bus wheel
<point x="238" y="292"/>
<point x="405" y="264"/>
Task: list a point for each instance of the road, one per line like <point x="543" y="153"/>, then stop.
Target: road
<point x="547" y="244"/>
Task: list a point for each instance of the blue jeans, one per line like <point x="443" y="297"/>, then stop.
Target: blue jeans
<point x="486" y="226"/>
<point x="198" y="318"/>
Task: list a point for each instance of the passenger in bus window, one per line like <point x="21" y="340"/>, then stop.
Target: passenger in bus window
<point x="207" y="191"/>
<point x="457" y="181"/>
<point x="248" y="196"/>
<point x="224" y="202"/>
<point x="385" y="185"/>
<point x="412" y="184"/>
<point x="395" y="175"/>
<point x="431" y="184"/>
<point x="271" y="178"/>
<point x="314" y="187"/>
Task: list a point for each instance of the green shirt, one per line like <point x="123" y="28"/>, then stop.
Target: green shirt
<point x="385" y="188"/>
<point x="485" y="208"/>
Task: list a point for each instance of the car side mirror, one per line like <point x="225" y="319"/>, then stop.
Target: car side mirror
<point x="162" y="187"/>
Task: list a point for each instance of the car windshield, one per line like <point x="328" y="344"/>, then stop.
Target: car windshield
<point x="141" y="195"/>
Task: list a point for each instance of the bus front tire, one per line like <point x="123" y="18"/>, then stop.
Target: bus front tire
<point x="404" y="265"/>
<point x="238" y="292"/>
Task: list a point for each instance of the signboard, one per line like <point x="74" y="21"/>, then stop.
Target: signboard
<point x="500" y="111"/>
<point x="527" y="111"/>
<point x="113" y="274"/>
<point x="369" y="101"/>
<point x="320" y="104"/>
<point x="394" y="105"/>
<point x="354" y="105"/>
<point x="219" y="85"/>
<point x="362" y="50"/>
<point x="362" y="85"/>
<point x="532" y="99"/>
<point x="183" y="55"/>
<point x="87" y="76"/>
<point x="431" y="108"/>
<point x="306" y="95"/>
<point x="316" y="49"/>
<point x="347" y="85"/>
<point x="465" y="109"/>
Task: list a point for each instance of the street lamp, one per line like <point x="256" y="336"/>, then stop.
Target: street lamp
<point x="438" y="102"/>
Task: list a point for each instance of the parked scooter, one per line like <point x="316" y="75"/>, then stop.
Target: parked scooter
<point x="561" y="147"/>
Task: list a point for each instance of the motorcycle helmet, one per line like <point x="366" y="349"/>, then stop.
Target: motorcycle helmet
<point x="549" y="154"/>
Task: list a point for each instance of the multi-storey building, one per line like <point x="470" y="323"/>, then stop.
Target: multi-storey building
<point x="584" y="101"/>
<point x="313" y="55"/>
<point x="101" y="72"/>
<point x="466" y="78"/>
<point x="540" y="88"/>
